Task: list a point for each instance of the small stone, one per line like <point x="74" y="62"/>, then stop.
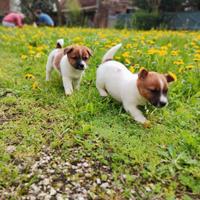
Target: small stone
<point x="80" y="198"/>
<point x="50" y="171"/>
<point x="35" y="188"/>
<point x="87" y="175"/>
<point x="133" y="191"/>
<point x="46" y="181"/>
<point x="85" y="164"/>
<point x="148" y="189"/>
<point x="47" y="197"/>
<point x="10" y="148"/>
<point x="42" y="194"/>
<point x="98" y="181"/>
<point x="104" y="185"/>
<point x="59" y="197"/>
<point x="52" y="191"/>
<point x="32" y="197"/>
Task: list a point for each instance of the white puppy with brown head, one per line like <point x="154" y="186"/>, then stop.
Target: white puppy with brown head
<point x="131" y="89"/>
<point x="70" y="62"/>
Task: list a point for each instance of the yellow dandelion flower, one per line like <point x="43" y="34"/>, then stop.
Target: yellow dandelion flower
<point x="169" y="44"/>
<point x="38" y="55"/>
<point x="173" y="75"/>
<point x="29" y="76"/>
<point x="139" y="52"/>
<point x="164" y="48"/>
<point x="126" y="54"/>
<point x="117" y="57"/>
<point x="152" y="51"/>
<point x="30" y="47"/>
<point x="162" y="52"/>
<point x="197" y="51"/>
<point x="181" y="69"/>
<point x="196" y="57"/>
<point x="178" y="62"/>
<point x="132" y="68"/>
<point x="127" y="61"/>
<point x="174" y="53"/>
<point x="189" y="67"/>
<point x="128" y="46"/>
<point x="150" y="42"/>
<point x="23" y="57"/>
<point x="35" y="86"/>
<point x="31" y="52"/>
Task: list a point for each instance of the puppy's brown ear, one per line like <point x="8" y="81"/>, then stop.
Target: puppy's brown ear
<point x="68" y="50"/>
<point x="143" y="73"/>
<point x="89" y="51"/>
<point x="170" y="77"/>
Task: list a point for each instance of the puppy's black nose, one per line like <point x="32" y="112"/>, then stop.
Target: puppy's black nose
<point x="162" y="104"/>
<point x="81" y="66"/>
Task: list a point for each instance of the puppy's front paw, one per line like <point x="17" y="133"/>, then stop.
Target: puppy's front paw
<point x="68" y="92"/>
<point x="141" y="119"/>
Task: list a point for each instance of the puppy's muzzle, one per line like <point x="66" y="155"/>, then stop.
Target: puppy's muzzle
<point x="161" y="104"/>
<point x="80" y="65"/>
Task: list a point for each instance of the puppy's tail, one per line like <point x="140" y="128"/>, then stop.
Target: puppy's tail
<point x="110" y="53"/>
<point x="60" y="43"/>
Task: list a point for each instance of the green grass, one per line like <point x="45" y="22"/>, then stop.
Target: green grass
<point x="164" y="158"/>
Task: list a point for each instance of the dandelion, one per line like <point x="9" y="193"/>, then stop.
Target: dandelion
<point x="178" y="62"/>
<point x="152" y="51"/>
<point x="174" y="53"/>
<point x="189" y="67"/>
<point x="181" y="69"/>
<point x="196" y="57"/>
<point x="126" y="54"/>
<point x="29" y="76"/>
<point x="23" y="57"/>
<point x="132" y="68"/>
<point x="139" y="52"/>
<point x="38" y="55"/>
<point x="164" y="48"/>
<point x="117" y="57"/>
<point x="150" y="42"/>
<point x="169" y="45"/>
<point x="31" y="52"/>
<point x="162" y="52"/>
<point x="127" y="61"/>
<point x="35" y="85"/>
<point x="128" y="46"/>
<point x="173" y="76"/>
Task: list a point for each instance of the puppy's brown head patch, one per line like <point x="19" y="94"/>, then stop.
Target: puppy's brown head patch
<point x="153" y="87"/>
<point x="78" y="56"/>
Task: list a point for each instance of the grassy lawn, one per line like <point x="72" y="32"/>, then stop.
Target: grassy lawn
<point x="160" y="162"/>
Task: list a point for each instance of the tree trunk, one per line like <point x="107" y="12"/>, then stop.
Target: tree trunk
<point x="101" y="16"/>
<point x="59" y="12"/>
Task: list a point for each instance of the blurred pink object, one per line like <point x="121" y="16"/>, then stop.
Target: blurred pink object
<point x="13" y="19"/>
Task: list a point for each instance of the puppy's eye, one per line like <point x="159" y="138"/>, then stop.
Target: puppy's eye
<point x="154" y="91"/>
<point x="84" y="58"/>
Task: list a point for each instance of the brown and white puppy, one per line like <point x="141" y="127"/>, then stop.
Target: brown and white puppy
<point x="131" y="89"/>
<point x="70" y="62"/>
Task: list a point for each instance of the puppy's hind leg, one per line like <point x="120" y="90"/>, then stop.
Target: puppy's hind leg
<point x="101" y="89"/>
<point x="49" y="67"/>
